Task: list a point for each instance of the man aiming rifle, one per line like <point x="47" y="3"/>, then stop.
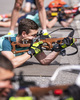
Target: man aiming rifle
<point x="28" y="29"/>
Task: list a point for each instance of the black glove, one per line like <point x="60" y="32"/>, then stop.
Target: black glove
<point x="35" y="48"/>
<point x="65" y="43"/>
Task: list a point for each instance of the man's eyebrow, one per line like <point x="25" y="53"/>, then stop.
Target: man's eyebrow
<point x="6" y="79"/>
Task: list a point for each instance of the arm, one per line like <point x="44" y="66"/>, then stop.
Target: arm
<point x="16" y="61"/>
<point x="19" y="60"/>
<point x="43" y="59"/>
<point x="51" y="19"/>
<point x="5" y="24"/>
<point x="51" y="23"/>
<point x="6" y="51"/>
<point x="46" y="59"/>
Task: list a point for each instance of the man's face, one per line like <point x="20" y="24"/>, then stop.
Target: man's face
<point x="5" y="74"/>
<point x="5" y="83"/>
<point x="32" y="34"/>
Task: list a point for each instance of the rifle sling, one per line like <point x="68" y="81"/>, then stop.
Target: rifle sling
<point x="74" y="46"/>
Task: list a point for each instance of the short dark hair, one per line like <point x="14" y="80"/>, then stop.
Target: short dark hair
<point x="26" y="25"/>
<point x="5" y="63"/>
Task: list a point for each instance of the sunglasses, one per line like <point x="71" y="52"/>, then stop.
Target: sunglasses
<point x="36" y="34"/>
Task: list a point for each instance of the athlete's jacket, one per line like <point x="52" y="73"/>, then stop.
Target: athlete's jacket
<point x="5" y="44"/>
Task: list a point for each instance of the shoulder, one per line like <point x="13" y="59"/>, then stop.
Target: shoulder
<point x="6" y="45"/>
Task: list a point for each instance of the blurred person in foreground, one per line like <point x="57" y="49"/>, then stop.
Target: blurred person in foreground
<point x="6" y="73"/>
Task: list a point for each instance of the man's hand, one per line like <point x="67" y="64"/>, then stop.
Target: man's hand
<point x="35" y="48"/>
<point x="65" y="43"/>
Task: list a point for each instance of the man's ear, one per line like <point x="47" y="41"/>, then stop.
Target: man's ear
<point x="23" y="34"/>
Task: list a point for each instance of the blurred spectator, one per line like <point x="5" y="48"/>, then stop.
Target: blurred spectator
<point x="29" y="6"/>
<point x="15" y="15"/>
<point x="53" y="15"/>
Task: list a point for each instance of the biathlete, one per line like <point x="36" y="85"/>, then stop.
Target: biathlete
<point x="27" y="29"/>
<point x="64" y="16"/>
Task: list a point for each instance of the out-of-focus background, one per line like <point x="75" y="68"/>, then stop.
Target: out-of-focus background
<point x="7" y="5"/>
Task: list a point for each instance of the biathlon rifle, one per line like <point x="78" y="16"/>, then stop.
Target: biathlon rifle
<point x="47" y="42"/>
<point x="67" y="12"/>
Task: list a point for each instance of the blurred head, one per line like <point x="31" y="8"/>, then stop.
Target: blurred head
<point x="6" y="73"/>
<point x="27" y="28"/>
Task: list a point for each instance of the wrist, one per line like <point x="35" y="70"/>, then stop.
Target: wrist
<point x="31" y="52"/>
<point x="56" y="48"/>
